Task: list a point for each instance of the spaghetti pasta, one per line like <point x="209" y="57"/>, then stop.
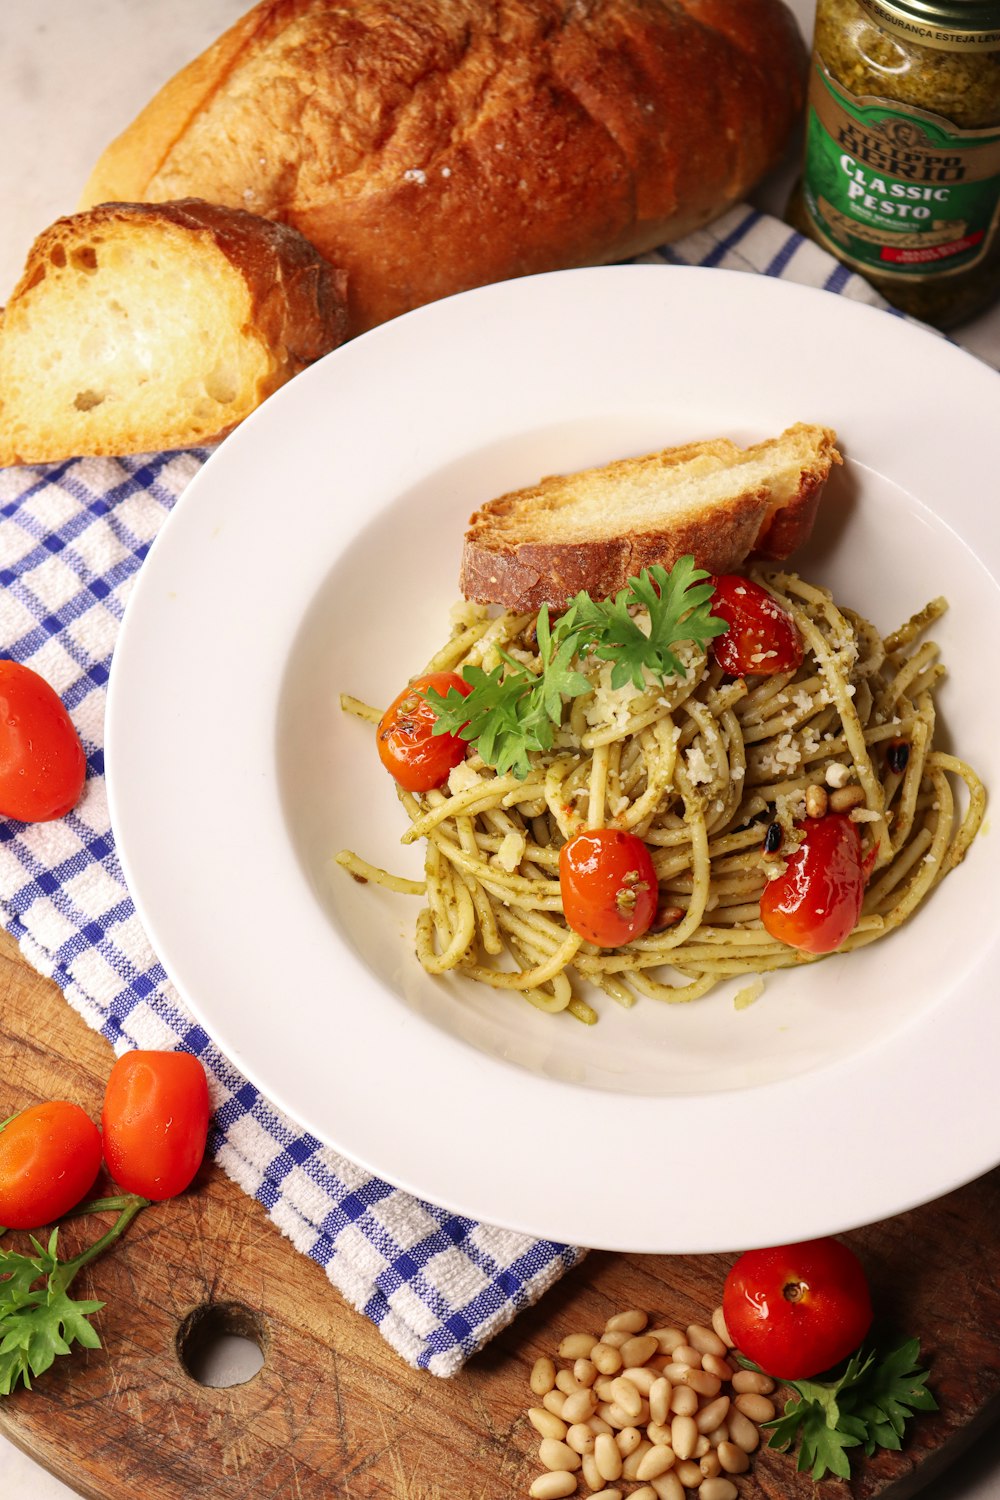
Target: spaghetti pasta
<point x="698" y="767"/>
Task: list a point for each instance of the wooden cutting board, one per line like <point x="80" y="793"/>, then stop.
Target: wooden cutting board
<point x="334" y="1412"/>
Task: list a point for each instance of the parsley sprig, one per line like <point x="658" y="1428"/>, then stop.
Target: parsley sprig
<point x="38" y="1318"/>
<point x="513" y="710"/>
<point x="867" y="1406"/>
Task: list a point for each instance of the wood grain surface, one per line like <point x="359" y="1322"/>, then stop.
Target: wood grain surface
<point x="334" y="1412"/>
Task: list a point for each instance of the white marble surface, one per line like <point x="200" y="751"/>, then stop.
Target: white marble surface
<point x="72" y="76"/>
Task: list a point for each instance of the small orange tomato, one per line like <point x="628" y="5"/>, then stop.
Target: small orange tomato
<point x="762" y="638"/>
<point x="815" y="903"/>
<point x="608" y="886"/>
<point x="408" y="747"/>
<point x="50" y="1155"/>
<point x="42" y="764"/>
<point x="155" y="1122"/>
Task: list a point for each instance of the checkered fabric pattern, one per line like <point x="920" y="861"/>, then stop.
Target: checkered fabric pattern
<point x="73" y="536"/>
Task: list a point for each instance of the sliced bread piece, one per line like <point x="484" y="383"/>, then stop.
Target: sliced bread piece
<point x="139" y="327"/>
<point x="595" y="529"/>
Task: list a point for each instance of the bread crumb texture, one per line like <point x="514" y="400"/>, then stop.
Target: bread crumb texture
<point x="136" y="329"/>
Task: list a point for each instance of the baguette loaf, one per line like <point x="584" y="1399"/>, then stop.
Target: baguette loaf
<point x="445" y="144"/>
<point x="595" y="529"/>
<point x="138" y="327"/>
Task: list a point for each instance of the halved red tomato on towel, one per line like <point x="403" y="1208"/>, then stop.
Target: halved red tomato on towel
<point x="409" y="749"/>
<point x="762" y="638"/>
<point x="608" y="886"/>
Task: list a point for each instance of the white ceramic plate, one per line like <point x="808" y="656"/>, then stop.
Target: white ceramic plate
<point x="318" y="552"/>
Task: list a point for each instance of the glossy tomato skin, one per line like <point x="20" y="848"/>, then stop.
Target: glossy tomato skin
<point x="608" y="886"/>
<point x="762" y="638"/>
<point x="42" y="764"/>
<point x="50" y="1156"/>
<point x="797" y="1310"/>
<point x="815" y="903"/>
<point x="155" y="1122"/>
<point x="409" y="749"/>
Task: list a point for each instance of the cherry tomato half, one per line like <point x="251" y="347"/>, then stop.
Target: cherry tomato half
<point x="50" y="1155"/>
<point x="42" y="764"/>
<point x="608" y="886"/>
<point x="155" y="1122"/>
<point x="409" y="749"/>
<point x="815" y="903"/>
<point x="797" y="1310"/>
<point x="762" y="638"/>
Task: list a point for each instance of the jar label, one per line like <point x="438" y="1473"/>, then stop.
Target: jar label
<point x="897" y="190"/>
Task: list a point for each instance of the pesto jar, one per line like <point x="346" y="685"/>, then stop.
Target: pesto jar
<point x="901" y="179"/>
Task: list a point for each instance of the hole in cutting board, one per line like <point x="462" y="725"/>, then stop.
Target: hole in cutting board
<point x="222" y="1344"/>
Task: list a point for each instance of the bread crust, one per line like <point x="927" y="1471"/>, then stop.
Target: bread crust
<point x="451" y="143"/>
<point x="520" y="552"/>
<point x="297" y="306"/>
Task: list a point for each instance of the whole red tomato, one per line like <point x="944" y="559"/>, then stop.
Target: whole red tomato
<point x="42" y="764"/>
<point x="815" y="903"/>
<point x="797" y="1310"/>
<point x="155" y="1122"/>
<point x="408" y="747"/>
<point x="762" y="638"/>
<point x="50" y="1155"/>
<point x="608" y="886"/>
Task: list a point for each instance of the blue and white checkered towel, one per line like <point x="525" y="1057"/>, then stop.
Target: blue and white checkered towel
<point x="73" y="536"/>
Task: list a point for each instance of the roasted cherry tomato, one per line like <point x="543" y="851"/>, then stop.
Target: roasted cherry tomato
<point x="608" y="886"/>
<point x="797" y="1310"/>
<point x="155" y="1122"/>
<point x="42" y="764"/>
<point x="50" y="1155"/>
<point x="815" y="903"/>
<point x="762" y="638"/>
<point x="409" y="749"/>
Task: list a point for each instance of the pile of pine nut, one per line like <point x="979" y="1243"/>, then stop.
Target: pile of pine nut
<point x="663" y="1409"/>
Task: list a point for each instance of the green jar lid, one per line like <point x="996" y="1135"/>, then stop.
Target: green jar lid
<point x="953" y="25"/>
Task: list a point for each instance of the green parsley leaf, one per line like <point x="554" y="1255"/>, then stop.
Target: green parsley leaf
<point x="38" y="1318"/>
<point x="867" y="1405"/>
<point x="676" y="604"/>
<point x="513" y="711"/>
